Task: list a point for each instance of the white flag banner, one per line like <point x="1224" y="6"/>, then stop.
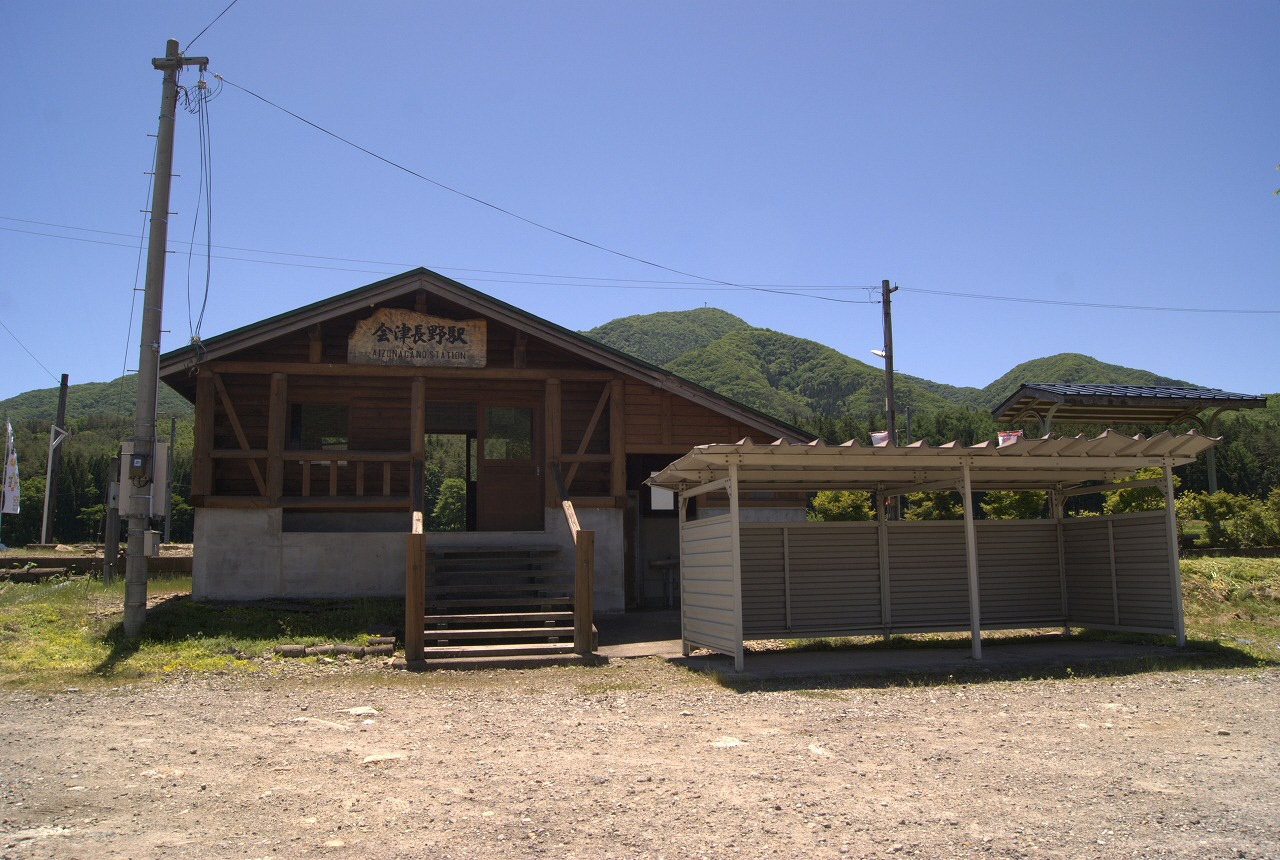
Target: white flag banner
<point x="12" y="489"/>
<point x="880" y="437"/>
<point x="1008" y="437"/>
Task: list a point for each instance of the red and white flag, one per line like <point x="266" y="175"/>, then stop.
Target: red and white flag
<point x="12" y="488"/>
<point x="881" y="438"/>
<point x="1008" y="437"/>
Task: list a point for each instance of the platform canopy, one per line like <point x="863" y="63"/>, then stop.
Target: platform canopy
<point x="1109" y="405"/>
<point x="1027" y="464"/>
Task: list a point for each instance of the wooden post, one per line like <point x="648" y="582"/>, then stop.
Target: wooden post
<point x="554" y="444"/>
<point x="201" y="455"/>
<point x="277" y="430"/>
<point x="417" y="442"/>
<point x="584" y="582"/>
<point x="415" y="590"/>
<point x="618" y="444"/>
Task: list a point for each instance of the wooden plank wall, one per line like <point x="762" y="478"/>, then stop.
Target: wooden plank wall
<point x="709" y="593"/>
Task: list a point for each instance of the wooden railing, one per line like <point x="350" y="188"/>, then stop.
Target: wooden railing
<point x="295" y="474"/>
<point x="584" y="550"/>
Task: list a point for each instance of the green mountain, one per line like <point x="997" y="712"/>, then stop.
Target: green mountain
<point x="1068" y="368"/>
<point x="89" y="398"/>
<point x="662" y="337"/>
<point x="793" y="378"/>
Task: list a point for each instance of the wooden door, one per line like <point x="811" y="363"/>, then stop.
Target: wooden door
<point x="509" y="483"/>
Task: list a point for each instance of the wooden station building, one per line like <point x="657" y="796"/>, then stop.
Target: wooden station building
<point x="312" y="427"/>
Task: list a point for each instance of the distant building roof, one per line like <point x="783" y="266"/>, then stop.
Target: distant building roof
<point x="1117" y="404"/>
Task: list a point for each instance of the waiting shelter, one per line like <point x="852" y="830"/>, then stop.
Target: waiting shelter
<point x="743" y="580"/>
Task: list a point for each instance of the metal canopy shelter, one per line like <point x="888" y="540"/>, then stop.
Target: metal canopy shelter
<point x="1119" y="404"/>
<point x="1062" y="466"/>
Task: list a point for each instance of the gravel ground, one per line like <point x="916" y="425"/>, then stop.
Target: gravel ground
<point x="641" y="759"/>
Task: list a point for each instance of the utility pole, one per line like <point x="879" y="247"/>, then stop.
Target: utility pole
<point x="141" y="469"/>
<point x="56" y="435"/>
<point x="891" y="423"/>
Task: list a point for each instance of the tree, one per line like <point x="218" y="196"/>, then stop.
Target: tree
<point x="450" y="512"/>
<point x="841" y="506"/>
<point x="1139" y="498"/>
<point x="1013" y="504"/>
<point x="940" y="505"/>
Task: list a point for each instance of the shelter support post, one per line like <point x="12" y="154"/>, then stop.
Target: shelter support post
<point x="735" y="524"/>
<point x="1057" y="505"/>
<point x="882" y="535"/>
<point x="971" y="554"/>
<point x="1175" y="569"/>
<point x="683" y="505"/>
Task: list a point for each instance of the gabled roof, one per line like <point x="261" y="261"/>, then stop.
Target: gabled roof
<point x="1117" y="404"/>
<point x="1027" y="464"/>
<point x="178" y="363"/>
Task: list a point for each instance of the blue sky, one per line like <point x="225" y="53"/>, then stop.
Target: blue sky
<point x="1108" y="153"/>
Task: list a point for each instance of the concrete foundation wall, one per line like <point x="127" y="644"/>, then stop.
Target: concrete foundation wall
<point x="245" y="555"/>
<point x="610" y="591"/>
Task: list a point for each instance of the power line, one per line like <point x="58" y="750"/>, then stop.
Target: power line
<point x="29" y="352"/>
<point x="210" y="24"/>
<point x="511" y="214"/>
<point x="596" y="280"/>
<point x="618" y="283"/>
<point x="1099" y="305"/>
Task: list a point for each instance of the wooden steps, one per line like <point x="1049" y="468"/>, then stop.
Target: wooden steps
<point x="484" y="601"/>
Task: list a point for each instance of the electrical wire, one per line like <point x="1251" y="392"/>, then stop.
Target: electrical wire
<point x="516" y="216"/>
<point x="197" y="102"/>
<point x="210" y="24"/>
<point x="29" y="352"/>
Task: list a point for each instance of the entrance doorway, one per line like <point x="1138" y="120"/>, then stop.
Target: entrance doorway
<point x="483" y="469"/>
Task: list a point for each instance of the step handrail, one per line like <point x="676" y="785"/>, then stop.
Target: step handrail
<point x="584" y="553"/>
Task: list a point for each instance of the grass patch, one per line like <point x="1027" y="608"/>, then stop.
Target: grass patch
<point x="1234" y="601"/>
<point x="70" y="631"/>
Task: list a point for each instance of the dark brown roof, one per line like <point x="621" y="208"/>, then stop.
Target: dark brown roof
<point x="1117" y="404"/>
<point x="175" y="366"/>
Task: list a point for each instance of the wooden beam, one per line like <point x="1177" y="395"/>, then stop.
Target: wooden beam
<point x="589" y="432"/>
<point x="201" y="463"/>
<point x="384" y="371"/>
<point x="240" y="437"/>
<point x="618" y="439"/>
<point x="417" y="437"/>
<point x="552" y="419"/>
<point x="277" y="432"/>
<point x="520" y="354"/>
<point x="315" y="351"/>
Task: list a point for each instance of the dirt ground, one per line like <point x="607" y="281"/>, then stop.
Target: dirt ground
<point x="640" y="758"/>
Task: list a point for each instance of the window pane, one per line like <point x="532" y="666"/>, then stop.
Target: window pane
<point x="321" y="427"/>
<point x="508" y="433"/>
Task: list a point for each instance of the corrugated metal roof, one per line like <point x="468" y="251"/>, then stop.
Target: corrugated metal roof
<point x="1117" y="404"/>
<point x="1160" y="391"/>
<point x="1027" y="464"/>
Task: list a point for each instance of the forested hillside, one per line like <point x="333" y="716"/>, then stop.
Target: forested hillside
<point x="796" y="380"/>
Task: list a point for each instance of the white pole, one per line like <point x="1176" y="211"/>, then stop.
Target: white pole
<point x="1175" y="568"/>
<point x="971" y="549"/>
